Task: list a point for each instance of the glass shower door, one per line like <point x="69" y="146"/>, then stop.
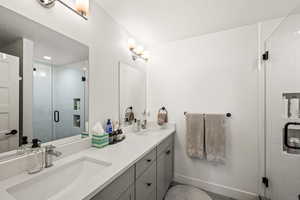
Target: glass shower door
<point x="59" y="100"/>
<point x="68" y="101"/>
<point x="282" y="72"/>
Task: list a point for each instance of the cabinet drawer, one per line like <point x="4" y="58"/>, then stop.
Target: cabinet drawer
<point x="146" y="183"/>
<point x="161" y="148"/>
<point x="143" y="164"/>
<point x="117" y="187"/>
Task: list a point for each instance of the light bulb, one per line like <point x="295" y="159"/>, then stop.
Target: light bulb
<point x="139" y="50"/>
<point x="131" y="44"/>
<point x="47" y="57"/>
<point x="146" y="55"/>
<point x="82" y="6"/>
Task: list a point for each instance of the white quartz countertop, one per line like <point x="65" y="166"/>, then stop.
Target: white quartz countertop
<point x="121" y="156"/>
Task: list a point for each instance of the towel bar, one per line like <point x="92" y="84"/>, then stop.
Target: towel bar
<point x="227" y="114"/>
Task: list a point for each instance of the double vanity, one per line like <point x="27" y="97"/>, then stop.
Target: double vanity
<point x="141" y="167"/>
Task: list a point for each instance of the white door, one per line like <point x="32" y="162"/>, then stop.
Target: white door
<point x="283" y="77"/>
<point x="9" y="102"/>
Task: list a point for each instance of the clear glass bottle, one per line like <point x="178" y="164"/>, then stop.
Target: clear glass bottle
<point x="35" y="158"/>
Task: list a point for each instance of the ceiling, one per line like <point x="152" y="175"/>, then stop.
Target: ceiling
<point x="159" y="21"/>
<point x="47" y="42"/>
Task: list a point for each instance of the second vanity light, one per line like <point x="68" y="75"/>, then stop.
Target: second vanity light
<point x="137" y="50"/>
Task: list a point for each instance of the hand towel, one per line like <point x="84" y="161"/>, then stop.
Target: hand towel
<point x="195" y="135"/>
<point x="215" y="137"/>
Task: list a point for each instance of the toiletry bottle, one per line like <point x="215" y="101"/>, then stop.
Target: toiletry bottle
<point x="35" y="159"/>
<point x="109" y="131"/>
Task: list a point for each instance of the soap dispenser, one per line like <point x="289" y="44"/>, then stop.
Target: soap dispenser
<point x="24" y="147"/>
<point x="162" y="117"/>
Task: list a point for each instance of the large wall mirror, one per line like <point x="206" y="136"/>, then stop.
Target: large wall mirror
<point x="43" y="83"/>
<point x="132" y="93"/>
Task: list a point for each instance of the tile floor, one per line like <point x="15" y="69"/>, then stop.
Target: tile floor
<point x="212" y="195"/>
<point x="219" y="197"/>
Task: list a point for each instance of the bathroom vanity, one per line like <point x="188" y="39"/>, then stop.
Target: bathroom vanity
<point x="141" y="167"/>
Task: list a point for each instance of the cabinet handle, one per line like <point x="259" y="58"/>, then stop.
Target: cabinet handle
<point x="149" y="160"/>
<point x="168" y="152"/>
<point x="149" y="184"/>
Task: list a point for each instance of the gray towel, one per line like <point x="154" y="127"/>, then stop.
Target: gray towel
<point x="215" y="137"/>
<point x="195" y="135"/>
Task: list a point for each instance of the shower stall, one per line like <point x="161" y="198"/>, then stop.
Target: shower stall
<point x="282" y="110"/>
<point x="59" y="100"/>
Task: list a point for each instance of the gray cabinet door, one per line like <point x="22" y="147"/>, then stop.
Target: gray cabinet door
<point x="128" y="195"/>
<point x="117" y="187"/>
<point x="164" y="172"/>
<point x="169" y="165"/>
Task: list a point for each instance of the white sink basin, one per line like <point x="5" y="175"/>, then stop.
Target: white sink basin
<point x="73" y="175"/>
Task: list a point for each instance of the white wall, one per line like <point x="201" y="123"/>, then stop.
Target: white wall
<point x="107" y="41"/>
<point x="215" y="73"/>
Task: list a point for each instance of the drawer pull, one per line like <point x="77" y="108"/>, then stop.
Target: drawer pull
<point x="149" y="160"/>
<point x="148" y="184"/>
<point x="168" y="152"/>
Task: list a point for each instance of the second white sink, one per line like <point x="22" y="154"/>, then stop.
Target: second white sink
<point x="44" y="186"/>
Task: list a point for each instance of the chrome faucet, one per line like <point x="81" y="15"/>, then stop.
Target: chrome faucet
<point x="137" y="125"/>
<point x="144" y="124"/>
<point x="144" y="121"/>
<point x="49" y="152"/>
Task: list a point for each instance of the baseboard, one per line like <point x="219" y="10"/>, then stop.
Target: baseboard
<point x="216" y="188"/>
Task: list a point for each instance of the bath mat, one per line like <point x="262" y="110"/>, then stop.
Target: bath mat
<point x="185" y="192"/>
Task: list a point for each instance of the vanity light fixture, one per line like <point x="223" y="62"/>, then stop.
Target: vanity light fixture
<point x="137" y="51"/>
<point x="80" y="7"/>
<point x="47" y="3"/>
